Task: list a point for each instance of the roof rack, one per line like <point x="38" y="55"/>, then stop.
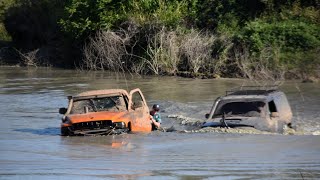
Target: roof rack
<point x="251" y="90"/>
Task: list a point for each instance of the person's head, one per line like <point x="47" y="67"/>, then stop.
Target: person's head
<point x="156" y="107"/>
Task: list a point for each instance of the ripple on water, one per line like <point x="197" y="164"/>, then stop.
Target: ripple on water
<point x="30" y="147"/>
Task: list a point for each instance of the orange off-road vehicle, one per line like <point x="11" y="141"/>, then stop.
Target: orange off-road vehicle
<point x="105" y="112"/>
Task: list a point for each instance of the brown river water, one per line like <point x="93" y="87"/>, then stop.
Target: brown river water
<point x="31" y="147"/>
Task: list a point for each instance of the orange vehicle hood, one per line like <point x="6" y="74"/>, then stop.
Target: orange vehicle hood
<point x="95" y="116"/>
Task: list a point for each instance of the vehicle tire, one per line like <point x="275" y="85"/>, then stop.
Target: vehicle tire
<point x="65" y="131"/>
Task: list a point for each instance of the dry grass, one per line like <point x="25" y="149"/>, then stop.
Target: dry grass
<point x="30" y="58"/>
<point x="105" y="51"/>
<point x="264" y="69"/>
<point x="197" y="48"/>
<point x="163" y="52"/>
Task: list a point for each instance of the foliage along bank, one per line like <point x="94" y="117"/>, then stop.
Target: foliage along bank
<point x="258" y="39"/>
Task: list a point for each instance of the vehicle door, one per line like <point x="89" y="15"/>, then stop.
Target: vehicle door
<point x="139" y="111"/>
<point x="283" y="107"/>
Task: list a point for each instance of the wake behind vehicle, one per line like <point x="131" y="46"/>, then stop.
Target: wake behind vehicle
<point x="263" y="108"/>
<point x="105" y="112"/>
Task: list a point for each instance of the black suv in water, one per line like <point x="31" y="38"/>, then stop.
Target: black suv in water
<point x="264" y="108"/>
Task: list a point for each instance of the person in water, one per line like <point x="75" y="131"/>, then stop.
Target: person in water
<point x="155" y="117"/>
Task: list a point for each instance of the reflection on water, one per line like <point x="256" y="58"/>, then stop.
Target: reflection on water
<point x="53" y="131"/>
<point x="31" y="149"/>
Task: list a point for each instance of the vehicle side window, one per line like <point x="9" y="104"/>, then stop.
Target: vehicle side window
<point x="272" y="107"/>
<point x="137" y="101"/>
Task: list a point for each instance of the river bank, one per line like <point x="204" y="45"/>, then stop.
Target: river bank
<point x="312" y="79"/>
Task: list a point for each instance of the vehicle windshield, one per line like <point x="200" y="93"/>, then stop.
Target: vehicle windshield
<point x="246" y="109"/>
<point x="112" y="104"/>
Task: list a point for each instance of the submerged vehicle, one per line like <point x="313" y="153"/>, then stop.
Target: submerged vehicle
<point x="105" y="112"/>
<point x="263" y="108"/>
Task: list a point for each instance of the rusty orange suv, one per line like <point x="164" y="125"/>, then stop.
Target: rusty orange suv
<point x="105" y="112"/>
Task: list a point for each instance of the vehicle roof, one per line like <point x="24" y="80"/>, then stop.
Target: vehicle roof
<point x="243" y="97"/>
<point x="102" y="92"/>
<point x="250" y="94"/>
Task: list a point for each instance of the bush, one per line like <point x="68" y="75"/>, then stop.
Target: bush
<point x="163" y="51"/>
<point x="4" y="35"/>
<point x="297" y="42"/>
<point x="4" y="5"/>
<point x="289" y="35"/>
<point x="33" y="23"/>
<point x="85" y="17"/>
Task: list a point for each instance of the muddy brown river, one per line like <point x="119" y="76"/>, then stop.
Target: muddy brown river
<point x="31" y="147"/>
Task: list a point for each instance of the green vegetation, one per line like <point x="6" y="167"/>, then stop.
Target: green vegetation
<point x="4" y="6"/>
<point x="258" y="39"/>
<point x="84" y="17"/>
<point x="293" y="34"/>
